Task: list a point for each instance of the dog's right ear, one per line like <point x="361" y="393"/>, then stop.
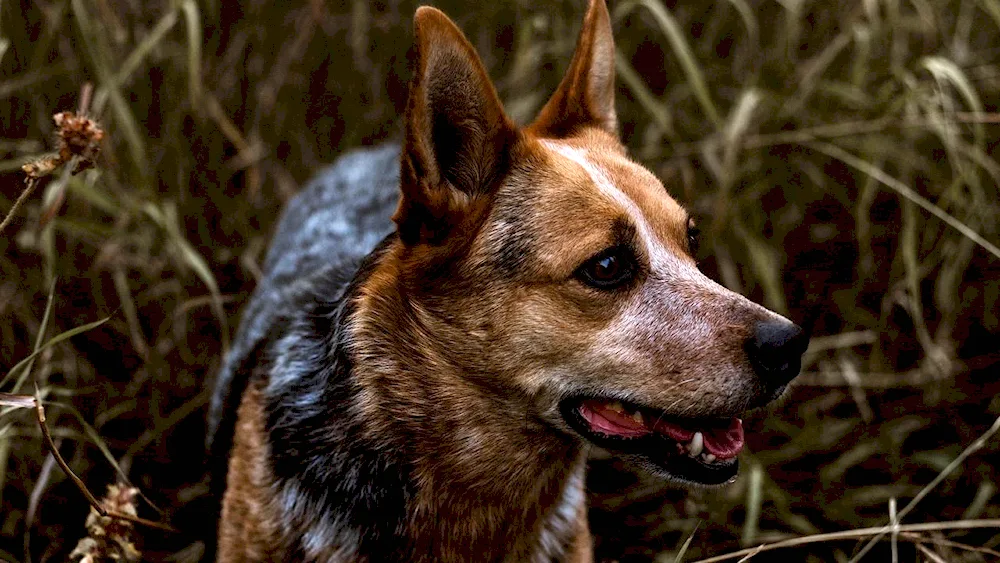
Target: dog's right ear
<point x="457" y="135"/>
<point x="586" y="95"/>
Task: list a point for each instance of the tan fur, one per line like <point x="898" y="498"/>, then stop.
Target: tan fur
<point x="489" y="482"/>
<point x="249" y="529"/>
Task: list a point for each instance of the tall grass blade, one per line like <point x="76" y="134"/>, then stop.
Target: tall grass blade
<point x="755" y="498"/>
<point x="658" y="111"/>
<point x="766" y="265"/>
<point x="683" y="52"/>
<point x="679" y="558"/>
<point x="43" y="329"/>
<point x="166" y="218"/>
<point x="146" y="46"/>
<point x="992" y="7"/>
<point x="50" y="343"/>
<point x="946" y="71"/>
<point x="749" y="20"/>
<point x="192" y="17"/>
<point x="905" y="191"/>
<point x="809" y="78"/>
<point x="100" y="54"/>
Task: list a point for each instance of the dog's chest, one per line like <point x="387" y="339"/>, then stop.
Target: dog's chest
<point x="564" y="532"/>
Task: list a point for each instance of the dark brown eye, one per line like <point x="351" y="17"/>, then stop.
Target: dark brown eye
<point x="610" y="269"/>
<point x="605" y="269"/>
<point x="693" y="233"/>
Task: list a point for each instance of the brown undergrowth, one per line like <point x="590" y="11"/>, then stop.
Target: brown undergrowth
<point x="841" y="157"/>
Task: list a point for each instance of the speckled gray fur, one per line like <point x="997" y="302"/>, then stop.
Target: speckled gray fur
<point x="339" y="217"/>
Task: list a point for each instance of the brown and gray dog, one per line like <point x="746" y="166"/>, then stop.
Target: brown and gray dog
<point x="427" y="391"/>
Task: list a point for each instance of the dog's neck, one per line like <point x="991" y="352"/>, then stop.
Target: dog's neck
<point x="381" y="440"/>
<point x="490" y="479"/>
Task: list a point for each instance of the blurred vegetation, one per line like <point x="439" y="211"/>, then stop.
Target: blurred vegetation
<point x="841" y="157"/>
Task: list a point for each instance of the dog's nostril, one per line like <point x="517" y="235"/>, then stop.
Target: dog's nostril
<point x="776" y="349"/>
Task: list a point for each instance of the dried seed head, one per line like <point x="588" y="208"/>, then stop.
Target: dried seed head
<point x="41" y="167"/>
<point x="110" y="539"/>
<point x="78" y="136"/>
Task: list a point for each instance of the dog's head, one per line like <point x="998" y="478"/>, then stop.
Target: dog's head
<point x="556" y="272"/>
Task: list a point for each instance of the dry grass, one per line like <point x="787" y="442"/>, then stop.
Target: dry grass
<point x="841" y="155"/>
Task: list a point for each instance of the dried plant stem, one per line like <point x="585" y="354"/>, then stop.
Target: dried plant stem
<point x="974" y="447"/>
<point x="930" y="555"/>
<point x="893" y="527"/>
<point x="86" y="96"/>
<point x="40" y="411"/>
<point x="902" y="189"/>
<point x="28" y="188"/>
<point x="834" y="130"/>
<point x="906" y="531"/>
<point x="952" y="544"/>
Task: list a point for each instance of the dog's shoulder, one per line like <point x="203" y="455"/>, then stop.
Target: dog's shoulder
<point x="343" y="212"/>
<point x="337" y="219"/>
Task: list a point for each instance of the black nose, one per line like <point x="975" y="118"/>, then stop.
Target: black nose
<point x="776" y="349"/>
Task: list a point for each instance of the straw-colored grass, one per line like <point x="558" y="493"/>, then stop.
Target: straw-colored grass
<point x="841" y="157"/>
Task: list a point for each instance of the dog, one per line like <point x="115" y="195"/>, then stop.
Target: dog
<point x="428" y="388"/>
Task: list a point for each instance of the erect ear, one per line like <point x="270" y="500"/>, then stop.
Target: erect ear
<point x="457" y="135"/>
<point x="586" y="95"/>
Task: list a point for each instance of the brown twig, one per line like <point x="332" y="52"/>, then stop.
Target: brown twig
<point x="930" y="555"/>
<point x="876" y="534"/>
<point x="86" y="95"/>
<point x="952" y="544"/>
<point x="906" y="531"/>
<point x="40" y="411"/>
<point x="975" y="446"/>
<point x="30" y="187"/>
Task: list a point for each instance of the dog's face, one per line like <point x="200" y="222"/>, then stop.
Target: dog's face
<point x="604" y="319"/>
<point x="559" y="272"/>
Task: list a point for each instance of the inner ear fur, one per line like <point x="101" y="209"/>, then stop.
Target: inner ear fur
<point x="586" y="95"/>
<point x="457" y="138"/>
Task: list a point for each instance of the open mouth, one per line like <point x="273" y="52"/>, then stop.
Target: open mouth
<point x="700" y="451"/>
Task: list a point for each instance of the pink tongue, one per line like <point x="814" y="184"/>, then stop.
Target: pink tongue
<point x="723" y="443"/>
<point x="611" y="422"/>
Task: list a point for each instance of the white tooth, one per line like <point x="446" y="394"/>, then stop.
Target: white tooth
<point x="616" y="406"/>
<point x="709" y="458"/>
<point x="697" y="443"/>
<point x="637" y="416"/>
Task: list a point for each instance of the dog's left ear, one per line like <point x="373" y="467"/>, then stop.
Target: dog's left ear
<point x="457" y="134"/>
<point x="586" y="95"/>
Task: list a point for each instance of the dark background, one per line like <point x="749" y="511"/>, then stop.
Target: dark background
<point x="773" y="121"/>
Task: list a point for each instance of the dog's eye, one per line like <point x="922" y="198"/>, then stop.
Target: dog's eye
<point x="693" y="233"/>
<point x="610" y="269"/>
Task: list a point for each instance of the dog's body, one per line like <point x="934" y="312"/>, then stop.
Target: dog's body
<point x="323" y="237"/>
<point x="427" y="392"/>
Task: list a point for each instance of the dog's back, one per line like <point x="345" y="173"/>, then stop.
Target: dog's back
<point x="337" y="219"/>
